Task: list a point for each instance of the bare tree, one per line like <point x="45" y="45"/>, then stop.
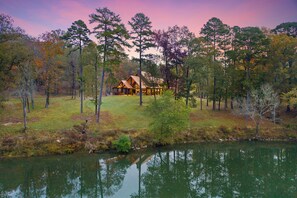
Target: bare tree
<point x="262" y="102"/>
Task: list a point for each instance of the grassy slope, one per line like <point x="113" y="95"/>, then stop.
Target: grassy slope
<point x="118" y="112"/>
<point x="51" y="130"/>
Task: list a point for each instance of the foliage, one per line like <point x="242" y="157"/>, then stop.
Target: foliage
<point x="49" y="60"/>
<point x="168" y="117"/>
<point x="263" y="101"/>
<point x="289" y="28"/>
<point x="76" y="37"/>
<point x="123" y="144"/>
<point x="142" y="39"/>
<point x="111" y="35"/>
<point x="291" y="97"/>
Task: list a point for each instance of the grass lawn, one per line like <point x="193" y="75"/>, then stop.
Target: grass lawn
<point x="53" y="130"/>
<point x="118" y="112"/>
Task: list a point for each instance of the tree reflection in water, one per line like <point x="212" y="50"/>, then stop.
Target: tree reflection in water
<point x="203" y="170"/>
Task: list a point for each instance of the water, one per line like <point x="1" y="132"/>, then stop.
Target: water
<point x="200" y="170"/>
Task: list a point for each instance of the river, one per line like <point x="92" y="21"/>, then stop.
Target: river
<point x="242" y="169"/>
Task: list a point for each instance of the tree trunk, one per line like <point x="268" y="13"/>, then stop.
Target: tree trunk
<point x="28" y="104"/>
<point x="214" y="93"/>
<point x="231" y="103"/>
<point x="220" y="97"/>
<point x="81" y="82"/>
<point x="176" y="78"/>
<point x="31" y="97"/>
<point x="100" y="95"/>
<point x="200" y="99"/>
<point x="73" y="86"/>
<point x="140" y="78"/>
<point x="102" y="78"/>
<point x="96" y="87"/>
<point x="188" y="92"/>
<point x="47" y="91"/>
<point x="226" y="99"/>
<point x="188" y="86"/>
<point x="24" y="99"/>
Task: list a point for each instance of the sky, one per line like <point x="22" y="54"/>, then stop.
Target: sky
<point x="38" y="16"/>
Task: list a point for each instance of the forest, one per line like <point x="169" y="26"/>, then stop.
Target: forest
<point x="249" y="71"/>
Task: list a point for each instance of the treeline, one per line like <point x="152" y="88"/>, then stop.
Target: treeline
<point x="221" y="64"/>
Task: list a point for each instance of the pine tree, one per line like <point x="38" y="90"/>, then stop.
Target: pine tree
<point x="112" y="36"/>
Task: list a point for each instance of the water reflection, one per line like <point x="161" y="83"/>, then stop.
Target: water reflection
<point x="204" y="170"/>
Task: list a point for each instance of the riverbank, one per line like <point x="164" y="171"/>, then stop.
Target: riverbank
<point x="58" y="130"/>
<point x="67" y="142"/>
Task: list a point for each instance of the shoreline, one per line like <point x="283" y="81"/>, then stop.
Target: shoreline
<point x="68" y="142"/>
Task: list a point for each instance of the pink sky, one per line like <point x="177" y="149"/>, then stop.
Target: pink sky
<point x="38" y="16"/>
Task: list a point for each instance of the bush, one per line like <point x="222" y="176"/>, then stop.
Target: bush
<point x="123" y="144"/>
<point x="168" y="117"/>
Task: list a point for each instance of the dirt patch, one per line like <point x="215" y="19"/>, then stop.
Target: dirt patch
<point x="10" y="120"/>
<point x="105" y="117"/>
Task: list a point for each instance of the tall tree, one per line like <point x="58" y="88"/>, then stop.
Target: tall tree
<point x="91" y="58"/>
<point x="48" y="60"/>
<point x="162" y="40"/>
<point x="142" y="39"/>
<point x="195" y="69"/>
<point x="77" y="37"/>
<point x="213" y="32"/>
<point x="282" y="61"/>
<point x="252" y="45"/>
<point x="112" y="36"/>
<point x="180" y="39"/>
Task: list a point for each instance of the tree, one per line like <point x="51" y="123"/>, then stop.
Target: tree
<point x="263" y="101"/>
<point x="252" y="45"/>
<point x="77" y="38"/>
<point x="282" y="62"/>
<point x="91" y="58"/>
<point x="168" y="117"/>
<point x="179" y="39"/>
<point x="48" y="60"/>
<point x="195" y="71"/>
<point x="289" y="28"/>
<point x="162" y="40"/>
<point x="10" y="37"/>
<point x="112" y="36"/>
<point x="291" y="99"/>
<point x="213" y="32"/>
<point x="142" y="39"/>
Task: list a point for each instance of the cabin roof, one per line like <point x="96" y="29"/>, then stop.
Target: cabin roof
<point x="136" y="79"/>
<point x="147" y="76"/>
<point x="126" y="84"/>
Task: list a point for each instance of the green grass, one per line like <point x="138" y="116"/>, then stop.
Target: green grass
<point x="118" y="112"/>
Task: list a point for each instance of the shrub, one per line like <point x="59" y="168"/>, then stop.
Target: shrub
<point x="123" y="144"/>
<point x="168" y="117"/>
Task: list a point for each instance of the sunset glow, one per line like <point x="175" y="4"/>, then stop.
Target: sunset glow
<point x="38" y="16"/>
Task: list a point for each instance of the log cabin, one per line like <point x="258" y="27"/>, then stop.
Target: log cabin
<point x="150" y="85"/>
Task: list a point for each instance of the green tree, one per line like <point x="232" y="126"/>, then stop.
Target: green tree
<point x="252" y="45"/>
<point x="195" y="71"/>
<point x="48" y="60"/>
<point x="142" y="39"/>
<point x="168" y="117"/>
<point x="112" y="36"/>
<point x="213" y="32"/>
<point x="77" y="37"/>
<point x="282" y="61"/>
<point x="91" y="59"/>
<point x="289" y="28"/>
<point x="291" y="98"/>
